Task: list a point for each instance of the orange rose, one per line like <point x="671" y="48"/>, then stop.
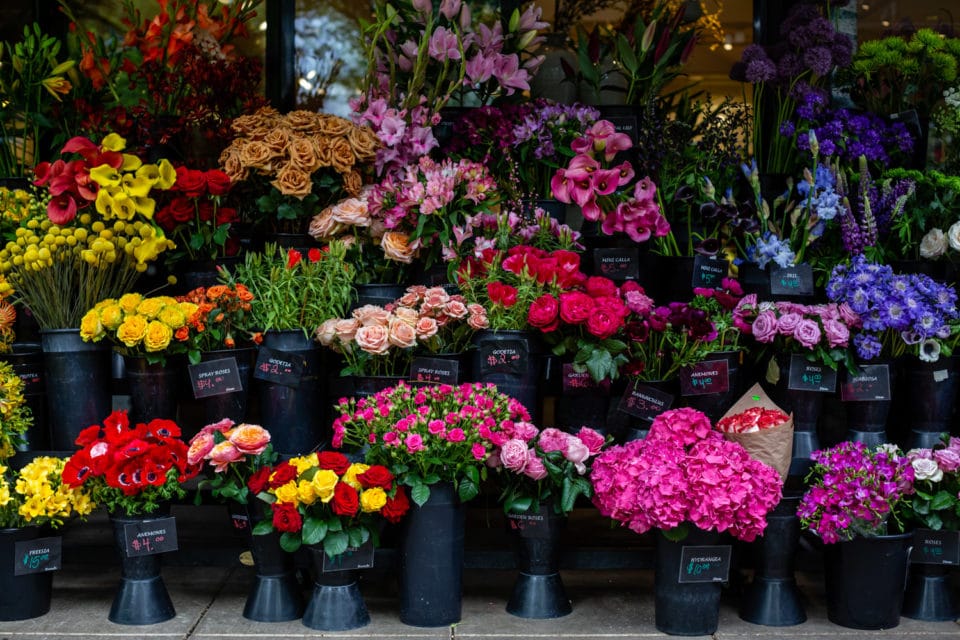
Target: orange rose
<point x="277" y="139"/>
<point x="364" y="143"/>
<point x="254" y="155"/>
<point x="342" y="158"/>
<point x="301" y="120"/>
<point x="303" y="154"/>
<point x="291" y="181"/>
<point x="353" y="182"/>
<point x="396" y="247"/>
<point x="374" y="339"/>
<point x="243" y="293"/>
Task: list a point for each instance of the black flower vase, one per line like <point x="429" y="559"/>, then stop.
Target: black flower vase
<point x="806" y="407"/>
<point x="153" y="388"/>
<point x="867" y="419"/>
<point x="929" y="390"/>
<point x="336" y="603"/>
<point x="142" y="597"/>
<point x="929" y="595"/>
<point x="684" y="609"/>
<point x="26" y="596"/>
<point x="772" y="599"/>
<point x="538" y="591"/>
<point x="275" y="595"/>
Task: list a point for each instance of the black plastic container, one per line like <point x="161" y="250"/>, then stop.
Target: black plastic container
<point x="27" y="362"/>
<point x="538" y="591"/>
<point x="275" y="595"/>
<point x="336" y="603"/>
<point x="520" y="379"/>
<point x="683" y="609"/>
<point x="865" y="579"/>
<point x="142" y="597"/>
<point x="153" y="388"/>
<point x="930" y="596"/>
<point x="27" y="596"/>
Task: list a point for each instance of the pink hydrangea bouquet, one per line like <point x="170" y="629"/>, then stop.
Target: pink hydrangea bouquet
<point x="935" y="502"/>
<point x="684" y="473"/>
<point x="544" y="468"/>
<point x="856" y="491"/>
<point x="231" y="454"/>
<point x="430" y="434"/>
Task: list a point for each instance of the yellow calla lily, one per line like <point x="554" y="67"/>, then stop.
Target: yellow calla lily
<point x="131" y="162"/>
<point x="104" y="202"/>
<point x="105" y="176"/>
<point x="123" y="207"/>
<point x="145" y="207"/>
<point x="168" y="175"/>
<point x="113" y="142"/>
<point x="135" y="186"/>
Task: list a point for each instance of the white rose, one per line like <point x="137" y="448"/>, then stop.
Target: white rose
<point x="934" y="244"/>
<point x="924" y="469"/>
<point x="953" y="235"/>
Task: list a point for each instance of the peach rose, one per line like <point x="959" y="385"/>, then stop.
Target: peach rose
<point x="303" y="154"/>
<point x="435" y="297"/>
<point x="478" y="321"/>
<point x="409" y="299"/>
<point x="374" y="339"/>
<point x="396" y="247"/>
<point x="250" y="439"/>
<point x="476" y="309"/>
<point x="223" y="454"/>
<point x="364" y="142"/>
<point x="302" y="120"/>
<point x="346" y="329"/>
<point x="352" y="211"/>
<point x="426" y="328"/>
<point x="323" y="226"/>
<point x="291" y="181"/>
<point x="342" y="157"/>
<point x="326" y="333"/>
<point x="410" y="316"/>
<point x="371" y="314"/>
<point x="255" y="154"/>
<point x="333" y="125"/>
<point x="401" y="334"/>
<point x="277" y="139"/>
<point x="456" y="309"/>
<point x="231" y="164"/>
<point x="200" y="446"/>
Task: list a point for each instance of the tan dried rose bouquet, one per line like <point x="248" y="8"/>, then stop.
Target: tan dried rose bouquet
<point x="298" y="163"/>
<point x="382" y="341"/>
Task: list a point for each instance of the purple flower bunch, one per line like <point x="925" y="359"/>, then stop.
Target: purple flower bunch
<point x="935" y="502"/>
<point x="823" y="330"/>
<point x="868" y="215"/>
<point x="899" y="312"/>
<point x="544" y="468"/>
<point x="405" y="134"/>
<point x="855" y="491"/>
<point x="847" y="134"/>
<point x="685" y="472"/>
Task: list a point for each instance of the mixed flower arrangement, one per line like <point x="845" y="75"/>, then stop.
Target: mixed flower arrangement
<point x="152" y="328"/>
<point x="935" y="501"/>
<point x="430" y="434"/>
<point x="236" y="453"/>
<point x="36" y="495"/>
<point x="685" y="473"/>
<point x="15" y="416"/>
<point x="323" y="498"/>
<point x="856" y="491"/>
<point x="130" y="469"/>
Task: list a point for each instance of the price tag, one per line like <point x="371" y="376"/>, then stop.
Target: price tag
<point x="150" y="537"/>
<point x="580" y="382"/>
<point x="353" y="558"/>
<point x="702" y="378"/>
<point x="531" y="525"/>
<point x="708" y="273"/>
<point x="215" y="378"/>
<point x="871" y="383"/>
<point x="507" y="357"/>
<point x="935" y="547"/>
<point x="617" y="264"/>
<point x="705" y="564"/>
<point x="623" y="123"/>
<point x="240" y="522"/>
<point x="810" y="376"/>
<point x="792" y="281"/>
<point x="646" y="403"/>
<point x="279" y="366"/>
<point x="31" y="378"/>
<point x="37" y="556"/>
<point x="435" y="370"/>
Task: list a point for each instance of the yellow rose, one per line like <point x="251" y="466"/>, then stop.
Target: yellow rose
<point x="132" y="330"/>
<point x="306" y="493"/>
<point x="302" y="463"/>
<point x="91" y="327"/>
<point x="172" y="316"/>
<point x="111" y="316"/>
<point x="150" y="307"/>
<point x="158" y="336"/>
<point x="355" y="469"/>
<point x="288" y="493"/>
<point x="324" y="483"/>
<point x="373" y="499"/>
<point x="129" y="302"/>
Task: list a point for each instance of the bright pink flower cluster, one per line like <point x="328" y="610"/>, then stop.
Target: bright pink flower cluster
<point x="795" y="326"/>
<point x="597" y="307"/>
<point x="684" y="471"/>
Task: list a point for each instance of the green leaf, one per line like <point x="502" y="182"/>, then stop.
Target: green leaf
<point x="568" y="497"/>
<point x="943" y="500"/>
<point x="627" y="57"/>
<point x="262" y="528"/>
<point x="314" y="530"/>
<point x="472" y="474"/>
<point x="520" y="504"/>
<point x="420" y="494"/>
<point x="468" y="490"/>
<point x="335" y="544"/>
<point x="355" y="536"/>
<point x="676" y="534"/>
<point x="289" y="541"/>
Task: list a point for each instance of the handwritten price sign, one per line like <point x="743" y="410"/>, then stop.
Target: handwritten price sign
<point x="215" y="378"/>
<point x="644" y="402"/>
<point x="37" y="556"/>
<point x="150" y="537"/>
<point x="809" y="376"/>
<point x="505" y="357"/>
<point x="872" y="382"/>
<point x="279" y="367"/>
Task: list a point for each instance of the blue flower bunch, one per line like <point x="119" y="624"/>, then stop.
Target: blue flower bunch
<point x="901" y="313"/>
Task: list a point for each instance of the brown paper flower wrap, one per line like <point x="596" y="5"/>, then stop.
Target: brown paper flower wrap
<point x="773" y="446"/>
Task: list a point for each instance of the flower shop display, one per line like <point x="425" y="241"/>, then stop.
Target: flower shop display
<point x="330" y="505"/>
<point x="29" y="76"/>
<point x="542" y="474"/>
<point x="435" y="440"/>
<point x="30" y="498"/>
<point x="923" y="231"/>
<point x="235" y="458"/>
<point x="855" y="503"/>
<point x="134" y="471"/>
<point x="933" y="506"/>
<point x="684" y="478"/>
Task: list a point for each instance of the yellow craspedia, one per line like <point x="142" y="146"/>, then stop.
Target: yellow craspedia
<point x="132" y="330"/>
<point x="158" y="336"/>
<point x="355" y="469"/>
<point x="90" y="326"/>
<point x="150" y="307"/>
<point x="373" y="499"/>
<point x="130" y="301"/>
<point x="306" y="493"/>
<point x="323" y="483"/>
<point x="288" y="493"/>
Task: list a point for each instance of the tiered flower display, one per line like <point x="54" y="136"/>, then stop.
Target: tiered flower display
<point x="36" y="495"/>
<point x="684" y="473"/>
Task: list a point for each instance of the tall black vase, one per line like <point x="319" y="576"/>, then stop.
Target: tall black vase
<point x="772" y="599"/>
<point x="431" y="560"/>
<point x="806" y="407"/>
<point x="229" y="405"/>
<point x="154" y="389"/>
<point x="26" y="596"/>
<point x="867" y="419"/>
<point x="275" y="595"/>
<point x="538" y="591"/>
<point x="336" y="603"/>
<point x="930" y="596"/>
<point x="142" y="597"/>
<point x="519" y="378"/>
<point x="682" y="609"/>
<point x="929" y="390"/>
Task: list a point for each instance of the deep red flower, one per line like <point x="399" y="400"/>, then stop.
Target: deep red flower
<point x="346" y="500"/>
<point x="314" y="254"/>
<point x="286" y="518"/>
<point x="218" y="183"/>
<point x="396" y="507"/>
<point x="502" y="294"/>
<point x="293" y="258"/>
<point x="334" y="461"/>
<point x="282" y="474"/>
<point x="376" y="476"/>
<point x="544" y="313"/>
<point x="260" y="480"/>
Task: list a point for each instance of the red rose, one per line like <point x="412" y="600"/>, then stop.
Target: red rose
<point x="218" y="183"/>
<point x="260" y="480"/>
<point x="205" y="210"/>
<point x="575" y="307"/>
<point x="190" y="182"/>
<point x="502" y="294"/>
<point x="603" y="324"/>
<point x="181" y="210"/>
<point x="376" y="476"/>
<point x="283" y="474"/>
<point x="293" y="258"/>
<point x="396" y="507"/>
<point x="598" y="286"/>
<point x="346" y="500"/>
<point x="544" y="313"/>
<point x="334" y="461"/>
<point x="286" y="518"/>
<point x="226" y="215"/>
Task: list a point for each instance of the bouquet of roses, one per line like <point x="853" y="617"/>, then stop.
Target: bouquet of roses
<point x="856" y="491"/>
<point x="323" y="498"/>
<point x="222" y="316"/>
<point x="430" y="434"/>
<point x="544" y="468"/>
<point x="235" y="452"/>
<point x="130" y="469"/>
<point x="935" y="502"/>
<point x="36" y="495"/>
<point x="685" y="473"/>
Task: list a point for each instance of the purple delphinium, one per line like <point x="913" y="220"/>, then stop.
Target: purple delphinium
<point x="868" y="215"/>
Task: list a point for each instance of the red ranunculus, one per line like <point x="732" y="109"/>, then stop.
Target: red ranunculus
<point x="396" y="507"/>
<point x="286" y="518"/>
<point x="602" y="323"/>
<point x="293" y="258"/>
<point x="282" y="474"/>
<point x="544" y="313"/>
<point x="334" y="461"/>
<point x="218" y="183"/>
<point x="376" y="476"/>
<point x="502" y="294"/>
<point x="598" y="286"/>
<point x="575" y="307"/>
<point x="346" y="500"/>
<point x="260" y="480"/>
<point x="190" y="182"/>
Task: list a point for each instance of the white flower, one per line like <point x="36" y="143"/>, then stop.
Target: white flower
<point x="890" y="449"/>
<point x="934" y="244"/>
<point x="929" y="350"/>
<point x="924" y="469"/>
<point x="953" y="235"/>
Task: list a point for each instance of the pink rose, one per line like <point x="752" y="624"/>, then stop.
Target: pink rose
<point x="371" y="314"/>
<point x="413" y="442"/>
<point x="478" y="321"/>
<point x="222" y="426"/>
<point x="250" y="439"/>
<point x="456" y="309"/>
<point x="224" y="454"/>
<point x="604" y="321"/>
<point x="575" y="307"/>
<point x="765" y="326"/>
<point x="552" y="440"/>
<point x="848" y="315"/>
<point x="513" y="455"/>
<point x="435" y="298"/>
<point x="426" y="328"/>
<point x="526" y="431"/>
<point x="807" y="333"/>
<point x="479" y="451"/>
<point x="948" y="459"/>
<point x="788" y="322"/>
<point x="327" y="332"/>
<point x="838" y="335"/>
<point x="400" y="334"/>
<point x="544" y="313"/>
<point x="456" y="435"/>
<point x="200" y="446"/>
<point x="346" y="330"/>
<point x="598" y="286"/>
<point x="374" y="339"/>
<point x="593" y="440"/>
<point x="409" y="299"/>
<point x="577" y="453"/>
<point x="535" y="469"/>
<point x="410" y="316"/>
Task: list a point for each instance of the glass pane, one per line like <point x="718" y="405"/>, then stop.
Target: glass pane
<point x="330" y="63"/>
